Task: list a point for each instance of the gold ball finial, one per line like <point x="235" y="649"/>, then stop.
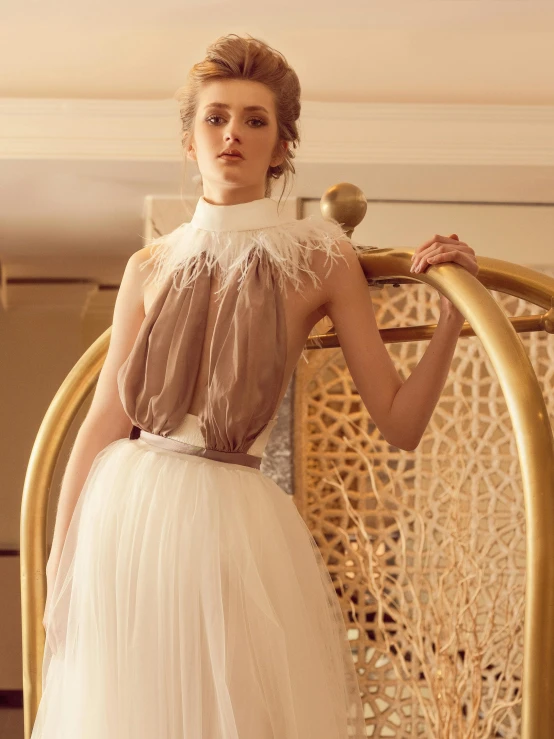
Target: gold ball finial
<point x="346" y="203"/>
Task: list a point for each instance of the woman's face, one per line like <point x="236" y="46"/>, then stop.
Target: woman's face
<point x="240" y="115"/>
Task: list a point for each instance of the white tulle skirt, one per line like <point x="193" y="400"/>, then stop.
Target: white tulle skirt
<point x="191" y="602"/>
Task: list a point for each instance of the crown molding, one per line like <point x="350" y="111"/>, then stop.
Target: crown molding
<point x="136" y="130"/>
<point x="360" y="133"/>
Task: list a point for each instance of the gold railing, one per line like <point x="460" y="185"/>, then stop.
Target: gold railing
<point x="526" y="406"/>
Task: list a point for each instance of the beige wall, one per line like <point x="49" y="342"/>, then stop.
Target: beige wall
<point x="519" y="233"/>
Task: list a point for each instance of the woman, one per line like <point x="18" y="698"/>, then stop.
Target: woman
<point x="186" y="596"/>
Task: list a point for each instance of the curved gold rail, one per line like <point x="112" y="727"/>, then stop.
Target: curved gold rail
<point x="532" y="429"/>
<point x="34" y="508"/>
<point x="534" y="440"/>
<point x="533" y="433"/>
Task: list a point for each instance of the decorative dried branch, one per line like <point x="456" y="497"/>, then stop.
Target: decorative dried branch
<point x="449" y="624"/>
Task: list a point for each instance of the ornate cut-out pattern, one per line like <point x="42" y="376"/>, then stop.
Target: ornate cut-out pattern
<point x="426" y="548"/>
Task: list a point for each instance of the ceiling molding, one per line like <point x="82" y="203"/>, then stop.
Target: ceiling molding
<point x="360" y="133"/>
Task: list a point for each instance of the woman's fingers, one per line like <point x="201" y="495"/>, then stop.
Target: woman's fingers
<point x="465" y="260"/>
<point x="444" y="249"/>
<point x="437" y="238"/>
<point x="423" y="256"/>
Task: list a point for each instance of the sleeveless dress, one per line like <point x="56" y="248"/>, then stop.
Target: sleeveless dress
<point x="191" y="600"/>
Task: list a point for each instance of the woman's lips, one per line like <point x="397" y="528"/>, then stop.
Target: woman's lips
<point x="230" y="157"/>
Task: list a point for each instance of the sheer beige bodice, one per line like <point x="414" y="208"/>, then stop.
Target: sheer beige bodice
<point x="255" y="254"/>
<point x="246" y="360"/>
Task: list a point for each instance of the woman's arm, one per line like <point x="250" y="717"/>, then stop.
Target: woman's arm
<point x="401" y="409"/>
<point x="106" y="420"/>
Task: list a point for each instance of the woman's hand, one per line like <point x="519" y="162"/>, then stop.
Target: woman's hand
<point x="445" y="249"/>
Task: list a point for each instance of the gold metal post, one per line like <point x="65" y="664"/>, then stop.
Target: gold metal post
<point x="34" y="508"/>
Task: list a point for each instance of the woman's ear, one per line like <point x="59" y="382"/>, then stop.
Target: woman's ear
<point x="279" y="154"/>
<point x="190" y="150"/>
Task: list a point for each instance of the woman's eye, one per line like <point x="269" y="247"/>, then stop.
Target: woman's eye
<point x="258" y="121"/>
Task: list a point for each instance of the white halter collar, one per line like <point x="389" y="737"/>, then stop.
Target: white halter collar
<point x="228" y="235"/>
<point x="249" y="216"/>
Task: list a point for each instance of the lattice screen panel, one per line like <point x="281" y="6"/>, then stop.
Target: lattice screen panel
<point x="426" y="548"/>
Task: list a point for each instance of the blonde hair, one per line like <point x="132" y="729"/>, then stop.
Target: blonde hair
<point x="235" y="57"/>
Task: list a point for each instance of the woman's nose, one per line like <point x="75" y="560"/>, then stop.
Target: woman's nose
<point x="231" y="134"/>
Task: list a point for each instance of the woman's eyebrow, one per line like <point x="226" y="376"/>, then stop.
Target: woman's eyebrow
<point x="224" y="106"/>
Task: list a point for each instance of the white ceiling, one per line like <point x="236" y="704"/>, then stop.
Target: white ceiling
<point x="488" y="51"/>
<point x="444" y="52"/>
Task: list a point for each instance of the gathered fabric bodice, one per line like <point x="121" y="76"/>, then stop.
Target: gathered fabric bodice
<point x="255" y="254"/>
<point x="246" y="366"/>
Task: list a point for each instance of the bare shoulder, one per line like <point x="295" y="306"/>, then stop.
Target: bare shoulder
<point x="142" y="255"/>
<point x="339" y="274"/>
<point x="142" y="270"/>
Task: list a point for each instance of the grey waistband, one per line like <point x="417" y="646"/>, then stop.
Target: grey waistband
<point x="173" y="445"/>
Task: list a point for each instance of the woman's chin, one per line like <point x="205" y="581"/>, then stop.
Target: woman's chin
<point x="234" y="176"/>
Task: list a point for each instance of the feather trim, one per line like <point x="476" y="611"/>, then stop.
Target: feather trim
<point x="287" y="246"/>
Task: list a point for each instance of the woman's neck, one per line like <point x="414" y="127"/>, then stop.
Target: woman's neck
<point x="232" y="196"/>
